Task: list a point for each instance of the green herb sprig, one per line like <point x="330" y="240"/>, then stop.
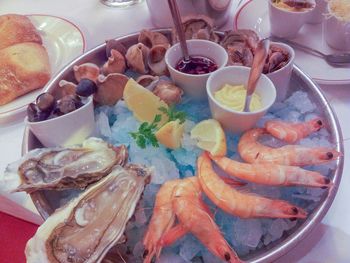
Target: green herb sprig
<point x="173" y="114"/>
<point x="145" y="134"/>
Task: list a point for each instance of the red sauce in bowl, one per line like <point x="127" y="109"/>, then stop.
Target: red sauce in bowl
<point x="196" y="66"/>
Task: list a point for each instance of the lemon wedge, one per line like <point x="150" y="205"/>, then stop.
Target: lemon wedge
<point x="143" y="103"/>
<point x="210" y="137"/>
<point x="170" y="134"/>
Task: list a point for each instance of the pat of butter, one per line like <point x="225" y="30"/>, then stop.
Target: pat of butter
<point x="233" y="97"/>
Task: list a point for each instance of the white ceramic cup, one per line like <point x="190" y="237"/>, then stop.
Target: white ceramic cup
<point x="71" y="128"/>
<point x="281" y="77"/>
<point x="232" y="120"/>
<point x="317" y="15"/>
<point x="337" y="33"/>
<point x="194" y="85"/>
<point x="286" y="24"/>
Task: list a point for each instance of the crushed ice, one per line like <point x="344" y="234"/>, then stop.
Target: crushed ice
<point x="244" y="235"/>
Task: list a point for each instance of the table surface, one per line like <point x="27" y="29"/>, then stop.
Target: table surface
<point x="329" y="242"/>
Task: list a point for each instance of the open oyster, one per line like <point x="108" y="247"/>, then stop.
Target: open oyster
<point x="64" y="168"/>
<point x="89" y="225"/>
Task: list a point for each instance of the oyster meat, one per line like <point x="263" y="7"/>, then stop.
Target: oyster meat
<point x="65" y="168"/>
<point x="88" y="226"/>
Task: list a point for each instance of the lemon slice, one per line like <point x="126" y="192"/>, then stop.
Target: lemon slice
<point x="210" y="137"/>
<point x="143" y="103"/>
<point x="170" y="134"/>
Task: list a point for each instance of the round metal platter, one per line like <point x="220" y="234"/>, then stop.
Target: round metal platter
<point x="47" y="201"/>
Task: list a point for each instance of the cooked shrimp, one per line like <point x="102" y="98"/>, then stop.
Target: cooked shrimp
<point x="252" y="151"/>
<point x="238" y="203"/>
<point x="272" y="174"/>
<point x="162" y="220"/>
<point x="188" y="207"/>
<point x="292" y="132"/>
<point x="179" y="230"/>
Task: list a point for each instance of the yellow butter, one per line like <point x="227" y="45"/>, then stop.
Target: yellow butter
<point x="233" y="97"/>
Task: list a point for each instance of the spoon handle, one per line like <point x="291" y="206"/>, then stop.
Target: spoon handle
<point x="256" y="70"/>
<point x="178" y="25"/>
<point x="258" y="65"/>
<point x="300" y="46"/>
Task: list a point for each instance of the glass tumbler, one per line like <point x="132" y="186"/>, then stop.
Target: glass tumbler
<point x="120" y="3"/>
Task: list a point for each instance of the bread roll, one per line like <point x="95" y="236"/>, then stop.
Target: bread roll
<point x="17" y="29"/>
<point x="23" y="68"/>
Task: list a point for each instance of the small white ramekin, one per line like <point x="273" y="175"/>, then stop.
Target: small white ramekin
<point x="281" y="77"/>
<point x="286" y="24"/>
<point x="194" y="85"/>
<point x="68" y="129"/>
<point x="232" y="120"/>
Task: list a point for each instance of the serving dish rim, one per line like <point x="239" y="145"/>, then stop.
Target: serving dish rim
<point x="300" y="232"/>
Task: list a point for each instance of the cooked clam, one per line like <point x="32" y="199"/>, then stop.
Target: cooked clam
<point x="115" y="63"/>
<point x="116" y="45"/>
<point x="89" y="225"/>
<point x="148" y="81"/>
<point x="168" y="92"/>
<point x="110" y="88"/>
<point x="86" y="71"/>
<point x="137" y="58"/>
<point x="65" y="168"/>
<point x="151" y="39"/>
<point x="156" y="60"/>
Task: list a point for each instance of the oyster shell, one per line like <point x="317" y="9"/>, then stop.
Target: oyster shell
<point x="65" y="168"/>
<point x="88" y="226"/>
<point x="137" y="58"/>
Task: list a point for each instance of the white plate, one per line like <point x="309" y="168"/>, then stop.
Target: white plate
<point x="63" y="41"/>
<point x="255" y="15"/>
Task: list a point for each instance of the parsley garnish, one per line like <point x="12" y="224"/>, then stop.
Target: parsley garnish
<point x="173" y="114"/>
<point x="145" y="134"/>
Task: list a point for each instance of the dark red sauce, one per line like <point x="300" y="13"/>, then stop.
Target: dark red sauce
<point x="299" y="4"/>
<point x="196" y="66"/>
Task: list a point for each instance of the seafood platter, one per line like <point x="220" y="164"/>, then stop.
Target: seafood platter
<point x="159" y="178"/>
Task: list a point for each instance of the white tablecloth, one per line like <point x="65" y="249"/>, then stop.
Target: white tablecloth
<point x="329" y="242"/>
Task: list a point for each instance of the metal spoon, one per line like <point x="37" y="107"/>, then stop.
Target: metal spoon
<point x="336" y="59"/>
<point x="261" y="52"/>
<point x="179" y="29"/>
